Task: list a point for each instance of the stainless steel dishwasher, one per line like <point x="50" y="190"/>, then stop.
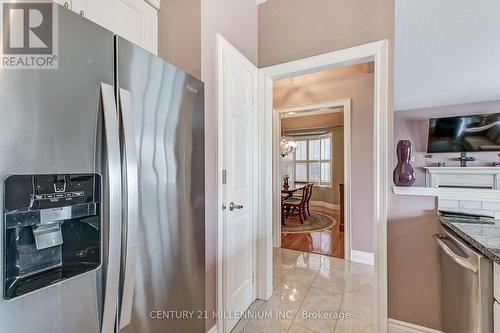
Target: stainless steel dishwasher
<point x="467" y="286"/>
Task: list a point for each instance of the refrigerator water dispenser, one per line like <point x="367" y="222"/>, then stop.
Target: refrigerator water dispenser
<point x="52" y="230"/>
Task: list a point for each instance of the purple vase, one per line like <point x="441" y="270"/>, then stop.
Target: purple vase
<point x="404" y="175"/>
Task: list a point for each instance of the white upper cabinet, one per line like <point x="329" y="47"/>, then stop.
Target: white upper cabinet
<point x="65" y="3"/>
<point x="135" y="20"/>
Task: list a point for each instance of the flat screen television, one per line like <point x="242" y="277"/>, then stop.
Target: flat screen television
<point x="475" y="133"/>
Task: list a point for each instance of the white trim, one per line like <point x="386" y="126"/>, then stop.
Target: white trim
<point x="378" y="52"/>
<point x="417" y="190"/>
<point x="260" y="1"/>
<point x="312" y="110"/>
<point x="213" y="329"/>
<point x="154" y="3"/>
<point x="325" y="204"/>
<point x="450" y="193"/>
<point x="396" y="326"/>
<point x="361" y="257"/>
<point x="222" y="47"/>
<point x="464" y="170"/>
<point x="220" y="195"/>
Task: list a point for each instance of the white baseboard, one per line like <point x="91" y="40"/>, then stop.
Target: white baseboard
<point x="361" y="257"/>
<point x="396" y="326"/>
<point x="213" y="329"/>
<point x="325" y="204"/>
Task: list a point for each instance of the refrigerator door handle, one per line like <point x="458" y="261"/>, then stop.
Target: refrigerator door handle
<point x="113" y="166"/>
<point x="132" y="208"/>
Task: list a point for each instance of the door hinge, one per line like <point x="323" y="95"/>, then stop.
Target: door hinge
<point x="224" y="176"/>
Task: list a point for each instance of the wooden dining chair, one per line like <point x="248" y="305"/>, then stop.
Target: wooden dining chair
<point x="309" y="195"/>
<point x="293" y="204"/>
<point x="283" y="208"/>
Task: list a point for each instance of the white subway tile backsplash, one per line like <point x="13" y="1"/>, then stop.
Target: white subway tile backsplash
<point x="489" y="208"/>
<point x="491" y="205"/>
<point x="471" y="204"/>
<point x="444" y="203"/>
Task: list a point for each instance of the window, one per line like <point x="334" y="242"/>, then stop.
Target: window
<point x="311" y="162"/>
<point x="287" y="165"/>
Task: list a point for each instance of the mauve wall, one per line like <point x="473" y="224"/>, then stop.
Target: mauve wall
<point x="295" y="29"/>
<point x="338" y="163"/>
<point x="237" y="22"/>
<point x="413" y="125"/>
<point x="413" y="262"/>
<point x="353" y="82"/>
<point x="179" y="34"/>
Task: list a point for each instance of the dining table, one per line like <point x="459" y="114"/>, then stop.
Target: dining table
<point x="289" y="190"/>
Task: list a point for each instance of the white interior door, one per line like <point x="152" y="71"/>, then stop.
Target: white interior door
<point x="237" y="89"/>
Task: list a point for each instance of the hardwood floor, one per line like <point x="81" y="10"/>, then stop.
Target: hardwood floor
<point x="328" y="242"/>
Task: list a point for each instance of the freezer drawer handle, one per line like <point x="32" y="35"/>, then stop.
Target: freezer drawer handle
<point x="132" y="207"/>
<point x="453" y="256"/>
<point x="114" y="183"/>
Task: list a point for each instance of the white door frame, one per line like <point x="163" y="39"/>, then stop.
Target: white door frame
<point x="304" y="111"/>
<point x="378" y="52"/>
<point x="224" y="47"/>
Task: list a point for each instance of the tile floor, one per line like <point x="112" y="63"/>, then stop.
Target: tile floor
<point x="308" y="285"/>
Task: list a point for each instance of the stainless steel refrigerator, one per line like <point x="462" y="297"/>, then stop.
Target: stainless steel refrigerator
<point x="102" y="162"/>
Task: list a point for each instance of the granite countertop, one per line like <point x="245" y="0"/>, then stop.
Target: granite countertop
<point x="484" y="237"/>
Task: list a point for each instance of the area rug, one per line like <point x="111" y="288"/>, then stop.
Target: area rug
<point x="315" y="222"/>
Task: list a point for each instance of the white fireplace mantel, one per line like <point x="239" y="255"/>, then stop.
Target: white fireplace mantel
<point x="463" y="177"/>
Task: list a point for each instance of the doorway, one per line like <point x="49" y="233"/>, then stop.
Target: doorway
<point x="381" y="143"/>
<point x="325" y="127"/>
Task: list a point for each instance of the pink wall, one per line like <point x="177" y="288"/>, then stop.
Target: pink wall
<point x="353" y="82"/>
<point x="413" y="262"/>
<point x="179" y="34"/>
<point x="237" y="22"/>
<point x="295" y="29"/>
<point x="413" y="125"/>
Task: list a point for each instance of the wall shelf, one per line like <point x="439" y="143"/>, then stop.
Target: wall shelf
<point x="450" y="193"/>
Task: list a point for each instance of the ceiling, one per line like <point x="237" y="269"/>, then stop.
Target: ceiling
<point x="446" y="52"/>
<point x="313" y="122"/>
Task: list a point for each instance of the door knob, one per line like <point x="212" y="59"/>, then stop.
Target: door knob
<point x="232" y="206"/>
